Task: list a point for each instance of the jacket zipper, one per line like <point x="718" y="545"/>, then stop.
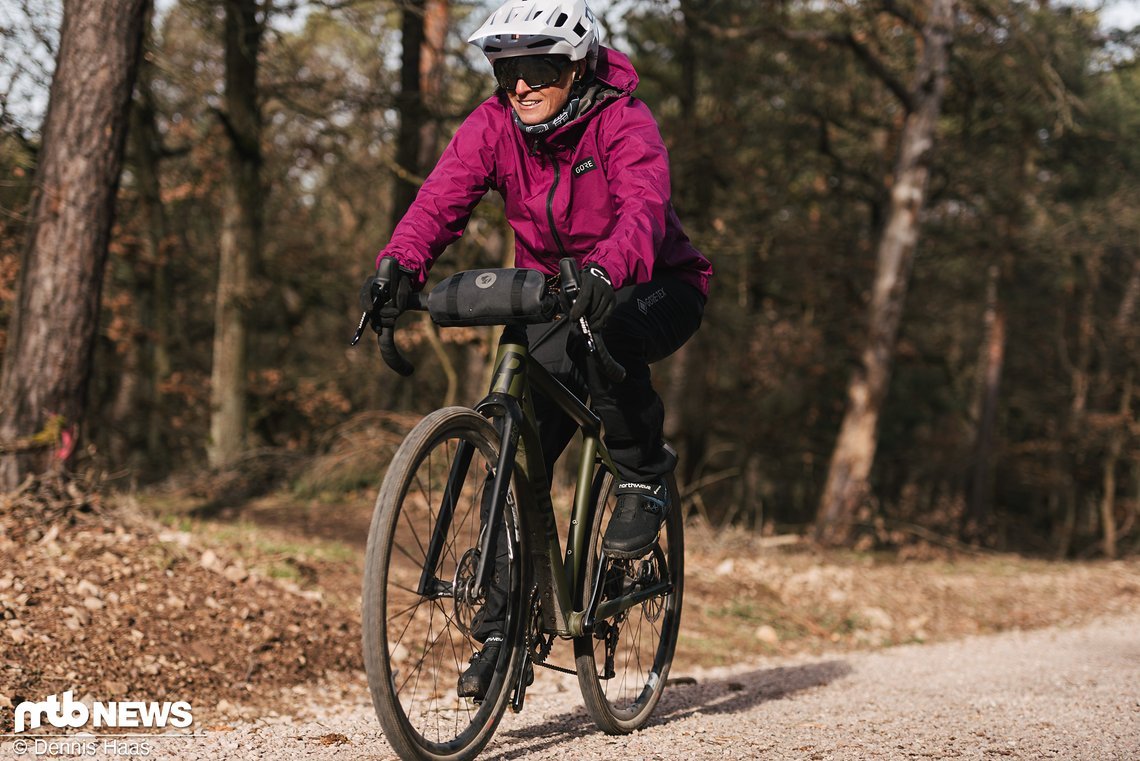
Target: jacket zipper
<point x="550" y="205"/>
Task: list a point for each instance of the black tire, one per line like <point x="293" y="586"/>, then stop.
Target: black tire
<point x="416" y="647"/>
<point x="646" y="633"/>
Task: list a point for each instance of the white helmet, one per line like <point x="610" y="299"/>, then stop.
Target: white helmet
<point x="539" y="27"/>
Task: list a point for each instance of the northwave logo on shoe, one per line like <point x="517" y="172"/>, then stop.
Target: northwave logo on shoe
<point x="650" y="488"/>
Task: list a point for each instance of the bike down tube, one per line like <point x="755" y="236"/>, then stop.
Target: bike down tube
<point x="593" y="452"/>
<point x="581" y="518"/>
<point x="590" y="479"/>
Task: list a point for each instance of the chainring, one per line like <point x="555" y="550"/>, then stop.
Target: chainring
<point x="538" y="643"/>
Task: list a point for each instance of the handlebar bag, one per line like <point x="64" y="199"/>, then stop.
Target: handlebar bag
<point x="489" y="297"/>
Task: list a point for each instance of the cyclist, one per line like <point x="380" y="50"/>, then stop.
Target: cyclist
<point x="583" y="172"/>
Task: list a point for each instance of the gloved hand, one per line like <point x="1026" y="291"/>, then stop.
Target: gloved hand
<point x="595" y="296"/>
<point x="392" y="283"/>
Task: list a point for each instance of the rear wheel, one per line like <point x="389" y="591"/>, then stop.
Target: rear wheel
<point x="623" y="664"/>
<point x="418" y="624"/>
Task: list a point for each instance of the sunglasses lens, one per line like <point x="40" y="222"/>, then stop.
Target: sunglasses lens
<point x="536" y="71"/>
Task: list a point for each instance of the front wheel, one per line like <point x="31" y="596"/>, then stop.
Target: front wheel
<point x="420" y="615"/>
<point x="624" y="662"/>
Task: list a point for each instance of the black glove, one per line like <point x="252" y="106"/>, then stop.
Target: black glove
<point x="389" y="287"/>
<point x="595" y="296"/>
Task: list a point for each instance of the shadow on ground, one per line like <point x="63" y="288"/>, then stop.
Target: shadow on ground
<point x="731" y="694"/>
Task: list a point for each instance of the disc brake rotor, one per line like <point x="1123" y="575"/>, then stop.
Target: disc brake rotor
<point x="469" y="608"/>
<point x="650" y="571"/>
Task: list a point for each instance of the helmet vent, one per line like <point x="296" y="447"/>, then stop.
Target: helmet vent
<point x="545" y="42"/>
<point x="561" y="20"/>
<point x="579" y="29"/>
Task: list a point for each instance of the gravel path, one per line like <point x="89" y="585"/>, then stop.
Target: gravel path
<point x="1053" y="693"/>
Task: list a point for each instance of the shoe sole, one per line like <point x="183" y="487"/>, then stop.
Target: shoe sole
<point x="477" y="698"/>
<point x="629" y="554"/>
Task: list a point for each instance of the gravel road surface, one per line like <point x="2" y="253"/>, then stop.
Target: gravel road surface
<point x="1053" y="693"/>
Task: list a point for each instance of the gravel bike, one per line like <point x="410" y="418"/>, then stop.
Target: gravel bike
<point x="466" y="479"/>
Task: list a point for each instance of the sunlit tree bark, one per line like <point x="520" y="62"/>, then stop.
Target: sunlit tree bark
<point x="990" y="361"/>
<point x="241" y="233"/>
<point x="48" y="357"/>
<point x="854" y="453"/>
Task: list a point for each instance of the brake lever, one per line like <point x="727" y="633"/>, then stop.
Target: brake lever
<point x="588" y="334"/>
<point x="380" y="297"/>
<point x="571" y="289"/>
<point x="359" y="329"/>
<point x="568" y="269"/>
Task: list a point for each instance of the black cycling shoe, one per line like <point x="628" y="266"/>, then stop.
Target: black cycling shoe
<point x="476" y="680"/>
<point x="633" y="527"/>
<point x="473" y="682"/>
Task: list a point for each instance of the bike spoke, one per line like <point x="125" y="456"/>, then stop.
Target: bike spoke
<point x="399" y="640"/>
<point x="427" y="650"/>
<point x="418" y="561"/>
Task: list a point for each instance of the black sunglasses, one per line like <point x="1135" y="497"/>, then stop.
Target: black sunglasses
<point x="536" y="70"/>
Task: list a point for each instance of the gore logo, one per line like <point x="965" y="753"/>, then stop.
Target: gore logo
<point x="584" y="166"/>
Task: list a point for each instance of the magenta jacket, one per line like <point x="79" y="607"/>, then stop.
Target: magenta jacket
<point x="596" y="189"/>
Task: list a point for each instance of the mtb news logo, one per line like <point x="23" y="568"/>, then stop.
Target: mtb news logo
<point x="69" y="713"/>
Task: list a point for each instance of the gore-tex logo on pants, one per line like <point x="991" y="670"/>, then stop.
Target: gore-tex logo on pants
<point x="650" y="300"/>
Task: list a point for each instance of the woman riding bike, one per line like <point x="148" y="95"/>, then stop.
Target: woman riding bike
<point x="583" y="172"/>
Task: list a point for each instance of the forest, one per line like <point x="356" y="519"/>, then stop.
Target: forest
<point x="923" y="215"/>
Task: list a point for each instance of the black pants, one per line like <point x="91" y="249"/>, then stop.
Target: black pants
<point x="650" y="321"/>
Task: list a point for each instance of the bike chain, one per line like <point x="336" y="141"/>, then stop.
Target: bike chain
<point x="538" y="644"/>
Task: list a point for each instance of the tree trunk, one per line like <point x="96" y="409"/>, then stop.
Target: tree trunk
<point x="1080" y="373"/>
<point x="850" y="467"/>
<point x="411" y="107"/>
<point x="147" y="144"/>
<point x="241" y="233"/>
<point x="134" y="415"/>
<point x="686" y="372"/>
<point x="991" y="361"/>
<point x="1123" y="345"/>
<point x="48" y="357"/>
<point x="433" y="67"/>
<point x="1115" y="445"/>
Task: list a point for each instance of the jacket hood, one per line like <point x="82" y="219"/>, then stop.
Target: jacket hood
<point x="616" y="70"/>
